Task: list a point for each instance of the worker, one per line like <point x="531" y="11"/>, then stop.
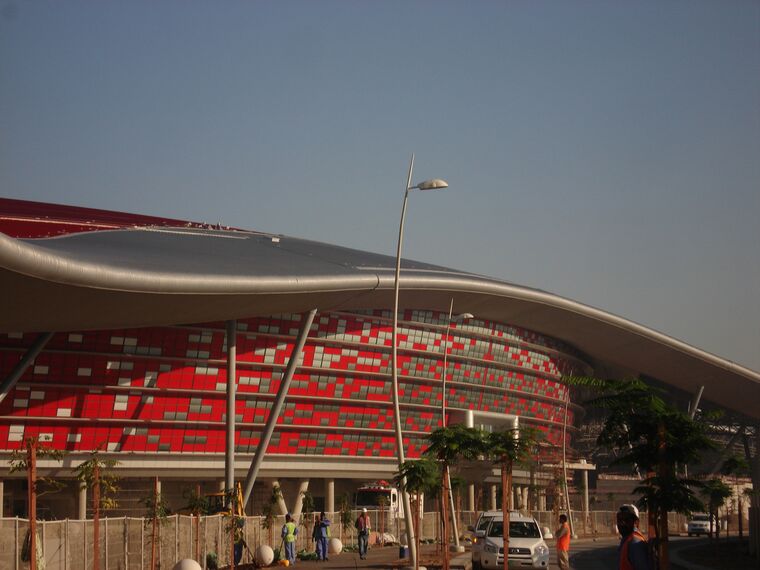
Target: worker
<point x="633" y="553"/>
<point x="363" y="527"/>
<point x="289" y="532"/>
<point x="563" y="543"/>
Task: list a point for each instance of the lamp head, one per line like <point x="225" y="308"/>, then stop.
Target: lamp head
<point x="432" y="184"/>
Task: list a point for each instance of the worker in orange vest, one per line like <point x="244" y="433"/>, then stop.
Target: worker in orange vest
<point x="633" y="553"/>
<point x="563" y="543"/>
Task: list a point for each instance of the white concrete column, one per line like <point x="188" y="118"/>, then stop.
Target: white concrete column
<point x="469" y="419"/>
<point x="329" y="495"/>
<point x="221" y="484"/>
<point x="541" y="492"/>
<point x="82" y="503"/>
<point x="158" y="486"/>
<point x="2" y="504"/>
<point x="492" y="501"/>
<point x="471" y="497"/>
<point x="585" y="490"/>
<point x="281" y="500"/>
<point x="303" y="486"/>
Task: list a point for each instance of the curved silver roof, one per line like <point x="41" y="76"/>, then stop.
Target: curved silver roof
<point x="160" y="276"/>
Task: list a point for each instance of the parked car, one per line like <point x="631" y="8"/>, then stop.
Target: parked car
<point x="478" y="535"/>
<point x="700" y="524"/>
<point x="527" y="548"/>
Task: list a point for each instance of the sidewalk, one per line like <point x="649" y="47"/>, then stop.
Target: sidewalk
<point x="385" y="558"/>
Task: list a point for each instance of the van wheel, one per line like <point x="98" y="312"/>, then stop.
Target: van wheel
<point x="476" y="566"/>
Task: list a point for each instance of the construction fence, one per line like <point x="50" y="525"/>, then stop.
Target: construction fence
<point x="127" y="543"/>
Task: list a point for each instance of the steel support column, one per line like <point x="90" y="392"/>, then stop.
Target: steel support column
<point x="274" y="413"/>
<point x="229" y="455"/>
<point x="18" y="371"/>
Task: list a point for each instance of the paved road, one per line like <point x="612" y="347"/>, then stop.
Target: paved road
<point x="602" y="553"/>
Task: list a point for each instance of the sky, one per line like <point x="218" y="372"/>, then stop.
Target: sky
<point x="605" y="151"/>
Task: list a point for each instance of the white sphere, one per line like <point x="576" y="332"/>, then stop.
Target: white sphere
<point x="264" y="555"/>
<point x="335" y="546"/>
<point x="187" y="564"/>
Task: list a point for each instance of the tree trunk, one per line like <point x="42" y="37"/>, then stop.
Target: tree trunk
<point x="197" y="525"/>
<point x="155" y="524"/>
<point x="96" y="516"/>
<point x="445" y="517"/>
<point x="665" y="470"/>
<point x="31" y="448"/>
<point x="416" y="524"/>
<point x="382" y="523"/>
<point x="506" y="497"/>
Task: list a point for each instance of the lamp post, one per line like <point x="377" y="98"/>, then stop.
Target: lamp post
<point x="434" y="184"/>
<point x="461" y="317"/>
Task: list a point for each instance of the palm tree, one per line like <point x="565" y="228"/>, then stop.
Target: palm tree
<point x="506" y="448"/>
<point x="416" y="477"/>
<point x="653" y="436"/>
<point x="716" y="492"/>
<point x="93" y="474"/>
<point x="26" y="460"/>
<point x="448" y="445"/>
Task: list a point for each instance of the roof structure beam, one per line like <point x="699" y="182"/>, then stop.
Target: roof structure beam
<point x="18" y="371"/>
<point x="274" y="413"/>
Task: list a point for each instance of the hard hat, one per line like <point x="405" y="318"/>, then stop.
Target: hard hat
<point x="629" y="509"/>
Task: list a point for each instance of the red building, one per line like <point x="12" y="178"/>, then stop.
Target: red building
<point x="136" y="362"/>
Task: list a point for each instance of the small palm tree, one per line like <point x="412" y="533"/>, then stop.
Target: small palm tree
<point x="507" y="448"/>
<point x="25" y="459"/>
<point x="94" y="474"/>
<point x="653" y="436"/>
<point x="716" y="492"/>
<point x="448" y="445"/>
<point x="268" y="511"/>
<point x="416" y="477"/>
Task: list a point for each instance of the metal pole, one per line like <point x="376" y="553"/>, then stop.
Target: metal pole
<point x="443" y="376"/>
<point x="10" y="381"/>
<point x="695" y="404"/>
<point x="564" y="463"/>
<point x="394" y="375"/>
<point x="229" y="456"/>
<point x="444" y="423"/>
<point x="274" y="413"/>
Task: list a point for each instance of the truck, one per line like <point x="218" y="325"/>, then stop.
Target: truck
<point x="371" y="495"/>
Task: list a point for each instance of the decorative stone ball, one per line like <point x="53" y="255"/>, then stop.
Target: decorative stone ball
<point x="187" y="564"/>
<point x="335" y="546"/>
<point x="264" y="555"/>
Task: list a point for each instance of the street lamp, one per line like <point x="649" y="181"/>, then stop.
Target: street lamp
<point x="457" y="318"/>
<point x="462" y="317"/>
<point x="433" y="184"/>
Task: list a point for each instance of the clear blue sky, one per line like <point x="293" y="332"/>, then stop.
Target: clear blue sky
<point x="604" y="151"/>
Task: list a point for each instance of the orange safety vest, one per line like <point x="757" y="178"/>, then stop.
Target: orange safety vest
<point x="625" y="564"/>
<point x="563" y="542"/>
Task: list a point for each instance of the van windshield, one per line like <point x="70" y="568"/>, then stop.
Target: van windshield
<point x="372" y="498"/>
<point x="700" y="518"/>
<point x="516" y="530"/>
